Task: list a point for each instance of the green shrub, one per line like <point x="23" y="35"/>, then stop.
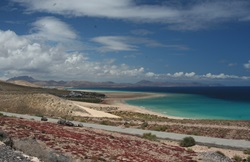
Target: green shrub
<point x="39" y="115"/>
<point x="248" y="159"/>
<point x="149" y="136"/>
<point x="1" y="115"/>
<point x="221" y="153"/>
<point x="247" y="152"/>
<point x="161" y="128"/>
<point x="187" y="142"/>
<point x="190" y="150"/>
<point x="144" y="125"/>
<point x="237" y="158"/>
<point x="105" y="122"/>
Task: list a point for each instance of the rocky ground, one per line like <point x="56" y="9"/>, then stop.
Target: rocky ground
<point x="9" y="155"/>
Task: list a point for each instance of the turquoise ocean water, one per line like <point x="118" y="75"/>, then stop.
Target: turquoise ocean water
<point x="231" y="103"/>
<point x="195" y="106"/>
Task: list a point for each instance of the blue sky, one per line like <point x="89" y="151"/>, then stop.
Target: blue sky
<point x="126" y="40"/>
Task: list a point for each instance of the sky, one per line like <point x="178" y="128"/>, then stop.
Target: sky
<point x="205" y="41"/>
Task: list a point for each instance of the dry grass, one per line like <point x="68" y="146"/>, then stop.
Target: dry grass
<point x="35" y="101"/>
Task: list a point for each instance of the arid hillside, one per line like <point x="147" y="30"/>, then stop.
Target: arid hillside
<point x="24" y="83"/>
<point x="39" y="101"/>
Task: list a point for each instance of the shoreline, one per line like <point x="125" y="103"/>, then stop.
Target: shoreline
<point x="118" y="99"/>
<point x="121" y="102"/>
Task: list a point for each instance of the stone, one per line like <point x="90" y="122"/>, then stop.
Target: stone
<point x="44" y="118"/>
<point x="61" y="121"/>
<point x="80" y="125"/>
<point x="5" y="138"/>
<point x="70" y="124"/>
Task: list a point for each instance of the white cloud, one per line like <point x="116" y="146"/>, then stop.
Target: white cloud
<point x="141" y="32"/>
<point x="22" y="55"/>
<point x="178" y="74"/>
<point x="232" y="64"/>
<point x="192" y="74"/>
<point x="33" y="55"/>
<point x="126" y="43"/>
<point x="192" y="15"/>
<point x="114" y="43"/>
<point x="220" y="76"/>
<point x="53" y="29"/>
<point x="75" y="59"/>
<point x="25" y="54"/>
<point x="247" y="65"/>
<point x="150" y="74"/>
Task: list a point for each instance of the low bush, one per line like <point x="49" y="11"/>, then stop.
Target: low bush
<point x="237" y="158"/>
<point x="187" y="142"/>
<point x="107" y="122"/>
<point x="149" y="136"/>
<point x="248" y="159"/>
<point x="144" y="125"/>
<point x="221" y="153"/>
<point x="190" y="150"/>
<point x="247" y="152"/>
<point x="161" y="128"/>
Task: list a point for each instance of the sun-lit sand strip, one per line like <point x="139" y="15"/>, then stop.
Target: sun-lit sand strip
<point x="92" y="112"/>
<point x="117" y="99"/>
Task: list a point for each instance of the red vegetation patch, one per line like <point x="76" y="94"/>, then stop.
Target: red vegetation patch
<point x="86" y="143"/>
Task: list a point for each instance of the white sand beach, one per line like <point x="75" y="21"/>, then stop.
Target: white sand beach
<point x="117" y="100"/>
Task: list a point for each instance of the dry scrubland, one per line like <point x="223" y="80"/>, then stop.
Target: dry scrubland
<point x="36" y="101"/>
<point x="38" y="104"/>
<point x="72" y="143"/>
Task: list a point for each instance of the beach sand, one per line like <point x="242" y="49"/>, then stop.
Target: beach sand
<point x="117" y="100"/>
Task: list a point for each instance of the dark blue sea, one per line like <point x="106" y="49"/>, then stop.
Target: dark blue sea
<point x="232" y="103"/>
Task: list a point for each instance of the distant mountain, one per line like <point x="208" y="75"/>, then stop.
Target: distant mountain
<point x="144" y="82"/>
<point x="109" y="84"/>
<point x="24" y="78"/>
<point x="37" y="82"/>
<point x="147" y="83"/>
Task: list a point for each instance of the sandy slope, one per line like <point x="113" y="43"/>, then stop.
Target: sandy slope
<point x="49" y="105"/>
<point x="24" y="83"/>
<point x="91" y="112"/>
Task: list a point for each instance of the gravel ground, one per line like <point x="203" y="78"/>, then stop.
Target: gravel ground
<point x="9" y="155"/>
<point x="214" y="157"/>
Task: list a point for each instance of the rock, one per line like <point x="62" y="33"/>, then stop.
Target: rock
<point x="65" y="122"/>
<point x="44" y="118"/>
<point x="39" y="149"/>
<point x="70" y="124"/>
<point x="61" y="121"/>
<point x="5" y="138"/>
<point x="80" y="125"/>
<point x="214" y="157"/>
<point x="7" y="155"/>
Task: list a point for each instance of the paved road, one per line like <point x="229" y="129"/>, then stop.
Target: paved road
<point x="210" y="141"/>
